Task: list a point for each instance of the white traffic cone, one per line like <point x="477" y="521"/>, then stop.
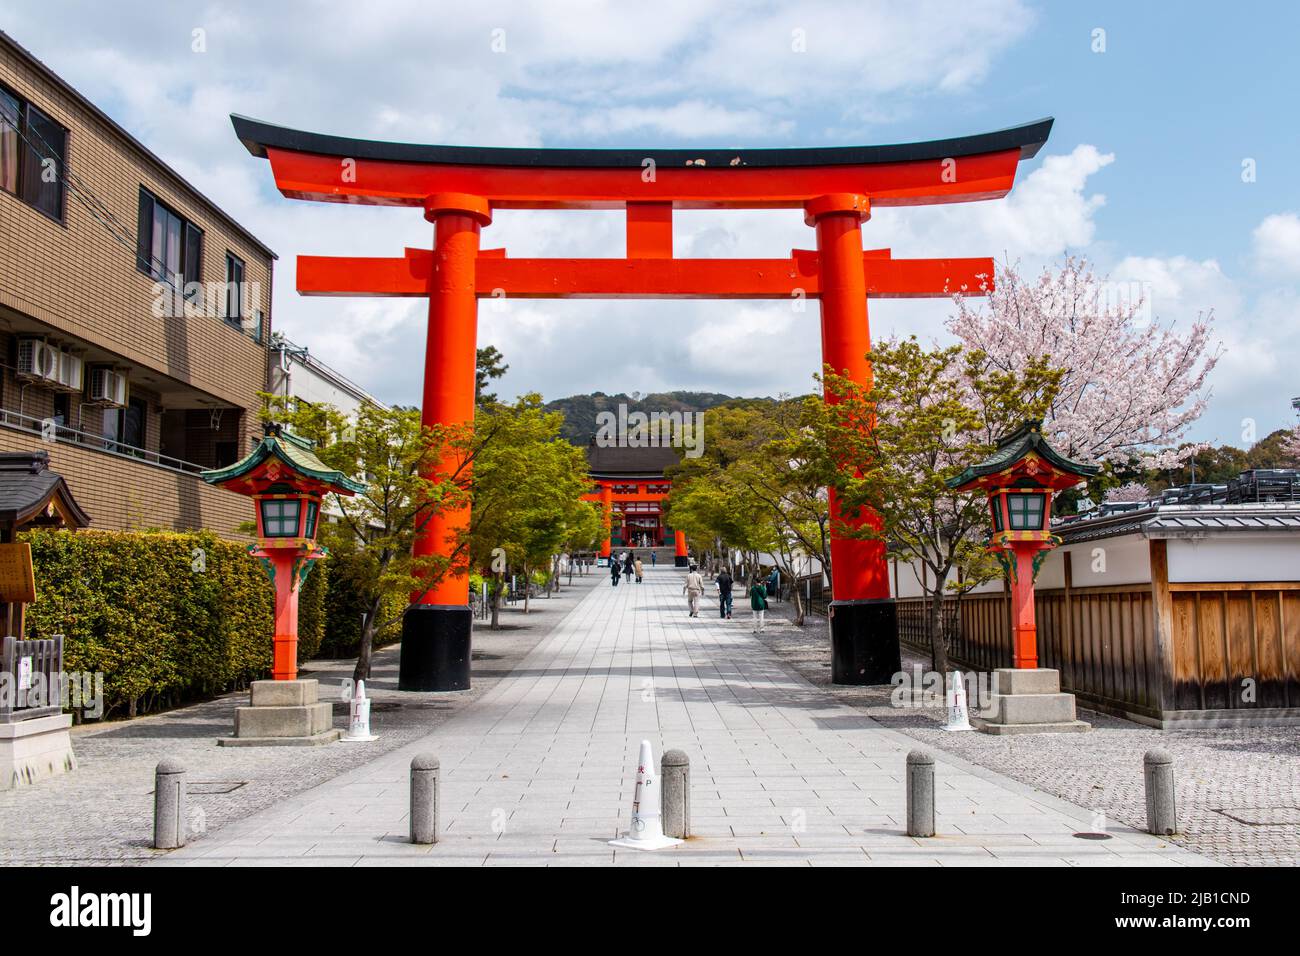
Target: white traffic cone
<point x="359" y="717"/>
<point x="958" y="714"/>
<point x="647" y="831"/>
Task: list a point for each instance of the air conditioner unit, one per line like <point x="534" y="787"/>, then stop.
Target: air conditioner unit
<point x="107" y="387"/>
<point x="69" y="377"/>
<point x="37" y="360"/>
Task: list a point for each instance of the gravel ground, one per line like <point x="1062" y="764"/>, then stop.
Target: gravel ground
<point x="1238" y="791"/>
<point x="102" y="814"/>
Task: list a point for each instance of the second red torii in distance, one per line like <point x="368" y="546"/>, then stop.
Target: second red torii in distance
<point x="458" y="188"/>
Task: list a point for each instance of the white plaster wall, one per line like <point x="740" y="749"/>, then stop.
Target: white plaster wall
<point x="910" y="576"/>
<point x="1052" y="573"/>
<point x="1111" y="561"/>
<point x="1235" y="558"/>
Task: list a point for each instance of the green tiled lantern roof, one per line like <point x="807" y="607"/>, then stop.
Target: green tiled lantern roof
<point x="298" y="453"/>
<point x="1011" y="448"/>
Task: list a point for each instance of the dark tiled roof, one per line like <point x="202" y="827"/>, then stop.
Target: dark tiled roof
<point x="1186" y="521"/>
<point x="296" y="452"/>
<point x="27" y="485"/>
<point x="619" y="460"/>
<point x="1011" y="448"/>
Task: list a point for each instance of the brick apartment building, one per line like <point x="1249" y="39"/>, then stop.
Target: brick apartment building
<point x="134" y="314"/>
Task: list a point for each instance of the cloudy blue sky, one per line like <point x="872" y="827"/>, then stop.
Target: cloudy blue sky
<point x="1143" y="173"/>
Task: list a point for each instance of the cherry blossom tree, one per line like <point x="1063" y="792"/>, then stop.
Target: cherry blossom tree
<point x="1131" y="388"/>
<point x="1129" y="491"/>
<point x="1291" y="445"/>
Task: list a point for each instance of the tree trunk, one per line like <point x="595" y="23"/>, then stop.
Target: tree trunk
<point x="496" y="603"/>
<point x="362" y="670"/>
<point x="798" y="604"/>
<point x="934" y="624"/>
<point x="528" y="580"/>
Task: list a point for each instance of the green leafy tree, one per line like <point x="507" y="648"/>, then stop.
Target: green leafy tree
<point x="527" y="494"/>
<point x="927" y="415"/>
<point x="759" y="487"/>
<point x="412" y="473"/>
<point x="488" y="367"/>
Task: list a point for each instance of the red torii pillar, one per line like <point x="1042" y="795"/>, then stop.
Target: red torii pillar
<point x="681" y="556"/>
<point x="861" y="604"/>
<point x="606" y="517"/>
<point x="449" y="388"/>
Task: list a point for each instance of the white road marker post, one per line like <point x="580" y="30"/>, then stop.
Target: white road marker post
<point x="359" y="717"/>
<point x="958" y="712"/>
<point x="647" y="831"/>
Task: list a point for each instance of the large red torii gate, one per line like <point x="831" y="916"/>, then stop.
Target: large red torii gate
<point x="459" y="187"/>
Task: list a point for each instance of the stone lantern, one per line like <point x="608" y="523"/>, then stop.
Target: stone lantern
<point x="1019" y="479"/>
<point x="287" y="482"/>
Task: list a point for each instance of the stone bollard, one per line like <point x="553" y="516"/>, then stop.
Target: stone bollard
<point x="675" y="780"/>
<point x="920" y="794"/>
<point x="424" y="799"/>
<point x="1158" y="777"/>
<point x="169" y="820"/>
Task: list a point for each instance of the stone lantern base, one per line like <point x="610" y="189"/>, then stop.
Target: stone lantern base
<point x="1029" y="701"/>
<point x="283" y="713"/>
<point x="31" y="750"/>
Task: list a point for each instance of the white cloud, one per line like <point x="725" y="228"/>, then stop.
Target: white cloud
<point x="1276" y="243"/>
<point x="594" y="73"/>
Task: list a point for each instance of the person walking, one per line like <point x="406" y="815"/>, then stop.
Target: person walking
<point x="654" y="558"/>
<point x="724" y="582"/>
<point x="629" y="565"/>
<point x="614" y="570"/>
<point x="758" y="602"/>
<point x="693" y="588"/>
<point x="639" y="568"/>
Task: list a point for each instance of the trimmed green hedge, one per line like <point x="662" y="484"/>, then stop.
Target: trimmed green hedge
<point x="345" y="603"/>
<point x="168" y="618"/>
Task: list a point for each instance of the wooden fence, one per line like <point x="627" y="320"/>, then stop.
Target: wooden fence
<point x="1211" y="652"/>
<point x="32" y="673"/>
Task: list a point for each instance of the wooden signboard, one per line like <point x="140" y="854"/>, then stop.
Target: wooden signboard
<point x="17" y="583"/>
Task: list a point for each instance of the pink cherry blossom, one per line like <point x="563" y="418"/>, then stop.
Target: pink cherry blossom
<point x="1132" y="388"/>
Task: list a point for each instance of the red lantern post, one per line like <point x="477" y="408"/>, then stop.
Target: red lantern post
<point x="1020" y="479"/>
<point x="286" y="481"/>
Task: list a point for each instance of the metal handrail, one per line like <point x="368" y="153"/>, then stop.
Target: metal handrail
<point x="52" y="432"/>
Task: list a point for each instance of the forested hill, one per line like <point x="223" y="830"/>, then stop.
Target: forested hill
<point x="580" y="410"/>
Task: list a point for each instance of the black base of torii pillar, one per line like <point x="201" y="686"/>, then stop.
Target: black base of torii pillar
<point x="436" y="648"/>
<point x="864" y="641"/>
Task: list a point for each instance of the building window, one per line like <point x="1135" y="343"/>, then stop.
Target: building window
<point x="32" y="150"/>
<point x="226" y="453"/>
<point x="168" y="247"/>
<point x="234" y="289"/>
<point x="124" y="428"/>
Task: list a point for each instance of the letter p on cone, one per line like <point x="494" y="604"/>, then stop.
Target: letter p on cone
<point x="647" y="831"/>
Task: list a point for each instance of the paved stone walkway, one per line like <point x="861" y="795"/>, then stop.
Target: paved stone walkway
<point x="101" y="815"/>
<point x="1238" y="789"/>
<point x="540" y="769"/>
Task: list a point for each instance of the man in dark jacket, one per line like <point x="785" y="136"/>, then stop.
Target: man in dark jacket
<point x="724" y="582"/>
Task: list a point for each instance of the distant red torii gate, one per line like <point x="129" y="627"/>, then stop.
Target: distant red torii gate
<point x="459" y="187"/>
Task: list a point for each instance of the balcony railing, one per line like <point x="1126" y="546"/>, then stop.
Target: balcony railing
<point x="49" y="430"/>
